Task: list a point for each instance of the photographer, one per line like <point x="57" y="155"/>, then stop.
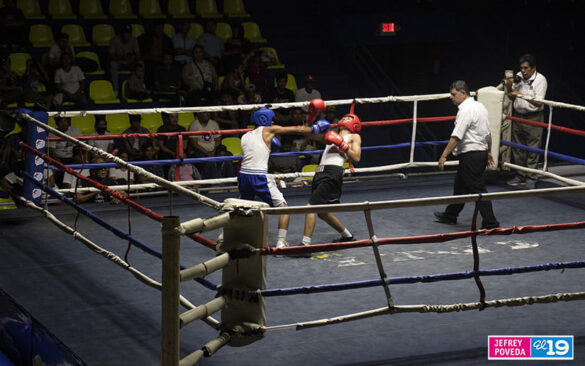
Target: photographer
<point x="527" y="82"/>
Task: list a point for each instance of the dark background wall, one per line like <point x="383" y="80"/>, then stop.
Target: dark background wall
<point x="438" y="42"/>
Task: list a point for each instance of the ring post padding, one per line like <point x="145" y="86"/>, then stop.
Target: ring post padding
<point x="171" y="242"/>
<point x="493" y="100"/>
<point x="245" y="316"/>
<point x="34" y="165"/>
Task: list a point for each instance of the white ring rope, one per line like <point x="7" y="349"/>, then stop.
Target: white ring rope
<point x="110" y="256"/>
<point x="248" y="107"/>
<point x="133" y="168"/>
<point x="279" y="176"/>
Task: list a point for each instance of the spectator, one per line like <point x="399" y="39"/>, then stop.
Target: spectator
<point x="226" y="119"/>
<point x="249" y="97"/>
<point x="203" y="146"/>
<point x="167" y="81"/>
<point x="211" y="43"/>
<point x="123" y="53"/>
<point x="200" y="79"/>
<point x="307" y="93"/>
<point x="257" y="73"/>
<point x="153" y="45"/>
<point x="136" y="86"/>
<point x="70" y="180"/>
<point x="284" y="164"/>
<point x="56" y="50"/>
<point x="183" y="44"/>
<point x="10" y="89"/>
<point x="167" y="145"/>
<point x="530" y="83"/>
<point x="234" y="81"/>
<point x="99" y="175"/>
<point x="226" y="168"/>
<point x="150" y="155"/>
<point x="331" y="114"/>
<point x="121" y="175"/>
<point x="134" y="146"/>
<point x="280" y="94"/>
<point x="69" y="84"/>
<point x="101" y="128"/>
<point x="34" y="84"/>
<point x="62" y="150"/>
<point x="237" y="49"/>
<point x="13" y="28"/>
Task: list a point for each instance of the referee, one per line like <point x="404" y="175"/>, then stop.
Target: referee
<point x="471" y="142"/>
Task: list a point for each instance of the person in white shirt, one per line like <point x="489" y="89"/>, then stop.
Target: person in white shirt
<point x="101" y="128"/>
<point x="308" y="92"/>
<point x="471" y="142"/>
<point x="70" y="84"/>
<point x="203" y="146"/>
<point x="530" y="83"/>
<point x="183" y="44"/>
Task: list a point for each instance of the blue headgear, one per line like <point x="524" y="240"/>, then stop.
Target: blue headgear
<point x="262" y="117"/>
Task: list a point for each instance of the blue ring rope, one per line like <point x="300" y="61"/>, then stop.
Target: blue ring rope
<point x="541" y="152"/>
<point x="420" y="279"/>
<point x="119" y="233"/>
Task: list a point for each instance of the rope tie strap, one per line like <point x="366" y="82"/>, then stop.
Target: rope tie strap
<point x="239" y="294"/>
<point x="379" y="264"/>
<point x="476" y="255"/>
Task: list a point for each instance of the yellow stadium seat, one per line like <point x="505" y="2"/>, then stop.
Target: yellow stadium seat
<point x="91" y="9"/>
<point x="76" y="35"/>
<point x="7" y="204"/>
<point x="61" y="9"/>
<point x="85" y="124"/>
<point x="31" y="9"/>
<point x="152" y="121"/>
<point x="220" y="79"/>
<point x="102" y="34"/>
<point x="130" y="100"/>
<point x="41" y="35"/>
<point x="195" y="31"/>
<point x="233" y="144"/>
<point x="121" y="9"/>
<point x="235" y="9"/>
<point x="18" y="62"/>
<point x="94" y="57"/>
<point x="185" y="119"/>
<point x="275" y="56"/>
<point x="150" y="9"/>
<point x="117" y="123"/>
<point x="223" y="30"/>
<point x="308" y="169"/>
<point x="179" y="9"/>
<point x="345" y="165"/>
<point x="102" y="92"/>
<point x="169" y="30"/>
<point x="252" y="32"/>
<point x="207" y="9"/>
<point x="291" y="83"/>
<point x="137" y="30"/>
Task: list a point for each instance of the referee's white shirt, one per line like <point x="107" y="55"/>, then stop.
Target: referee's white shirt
<point x="472" y="127"/>
<point x="536" y="87"/>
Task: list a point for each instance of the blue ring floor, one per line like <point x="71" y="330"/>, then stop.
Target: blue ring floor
<point x="108" y="318"/>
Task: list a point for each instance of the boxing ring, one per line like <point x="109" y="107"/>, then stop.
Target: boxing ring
<point x="341" y="282"/>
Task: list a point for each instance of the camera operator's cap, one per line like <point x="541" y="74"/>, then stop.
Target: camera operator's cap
<point x="309" y="79"/>
<point x="250" y="87"/>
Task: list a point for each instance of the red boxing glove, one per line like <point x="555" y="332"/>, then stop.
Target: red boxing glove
<point x="333" y="137"/>
<point x="316" y="107"/>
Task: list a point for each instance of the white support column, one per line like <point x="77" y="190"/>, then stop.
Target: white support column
<point x="493" y="100"/>
<point x="414" y="126"/>
<point x="245" y="315"/>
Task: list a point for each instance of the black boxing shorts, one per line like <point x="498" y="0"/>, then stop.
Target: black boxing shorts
<point x="326" y="187"/>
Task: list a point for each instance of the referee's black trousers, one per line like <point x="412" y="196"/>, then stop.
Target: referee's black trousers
<point x="469" y="180"/>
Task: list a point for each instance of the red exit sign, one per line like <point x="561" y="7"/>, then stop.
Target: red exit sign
<point x="388" y="29"/>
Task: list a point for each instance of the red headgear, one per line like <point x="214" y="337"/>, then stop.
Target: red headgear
<point x="351" y="122"/>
